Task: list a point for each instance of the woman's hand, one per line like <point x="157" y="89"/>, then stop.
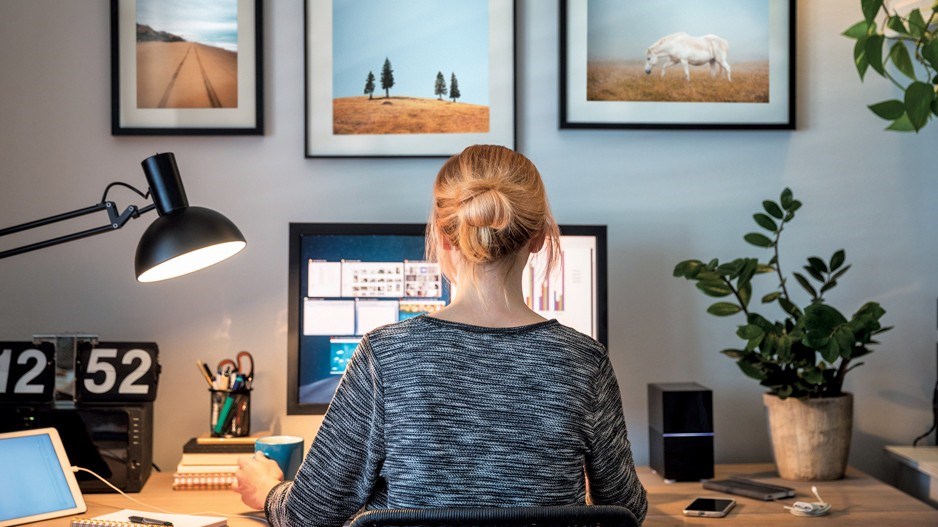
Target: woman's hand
<point x="255" y="477"/>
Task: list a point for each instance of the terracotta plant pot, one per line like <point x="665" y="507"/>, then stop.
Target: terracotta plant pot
<point x="810" y="437"/>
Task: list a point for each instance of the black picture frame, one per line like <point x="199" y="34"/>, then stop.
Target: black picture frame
<point x="320" y="124"/>
<point x="219" y="108"/>
<point x="600" y="106"/>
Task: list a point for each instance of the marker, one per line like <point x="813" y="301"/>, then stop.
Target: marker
<point x="149" y="521"/>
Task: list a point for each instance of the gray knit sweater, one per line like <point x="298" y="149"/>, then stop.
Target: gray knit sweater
<point x="433" y="413"/>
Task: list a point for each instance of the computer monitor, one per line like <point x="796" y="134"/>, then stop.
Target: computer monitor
<point x="346" y="279"/>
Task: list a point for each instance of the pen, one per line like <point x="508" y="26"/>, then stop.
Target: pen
<point x="206" y="373"/>
<point x="149" y="521"/>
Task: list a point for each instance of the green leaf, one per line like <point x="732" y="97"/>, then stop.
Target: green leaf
<point x="762" y="269"/>
<point x="900" y="57"/>
<point x="917" y="24"/>
<point x="859" y="56"/>
<point x="828" y="286"/>
<point x="759" y="240"/>
<point x="812" y="376"/>
<point x="749" y="332"/>
<point x="930" y="53"/>
<point x="789" y="308"/>
<point x="870" y="8"/>
<point x="830" y="352"/>
<point x="723" y="309"/>
<point x="714" y="288"/>
<point x="806" y="284"/>
<point x="745" y="293"/>
<point x="817" y="264"/>
<point x="772" y="208"/>
<point x="860" y="29"/>
<point x="751" y="370"/>
<point x="918" y="99"/>
<point x="895" y="23"/>
<point x="734" y="353"/>
<point x="784" y="348"/>
<point x="795" y="205"/>
<point x="837" y="259"/>
<point x="814" y="274"/>
<point x="786" y="198"/>
<point x="902" y="124"/>
<point x="765" y="221"/>
<point x="688" y="268"/>
<point x="771" y="297"/>
<point x="934" y="106"/>
<point x="874" y="53"/>
<point x="840" y="273"/>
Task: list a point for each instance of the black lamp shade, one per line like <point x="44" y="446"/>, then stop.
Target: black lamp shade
<point x="183" y="241"/>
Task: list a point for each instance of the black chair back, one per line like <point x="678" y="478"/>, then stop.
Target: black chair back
<point x="554" y="516"/>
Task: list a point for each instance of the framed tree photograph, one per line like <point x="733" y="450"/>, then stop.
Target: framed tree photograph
<point x="677" y="64"/>
<point x="415" y="78"/>
<point x="186" y="67"/>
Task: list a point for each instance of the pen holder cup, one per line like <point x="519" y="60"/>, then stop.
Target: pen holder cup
<point x="230" y="413"/>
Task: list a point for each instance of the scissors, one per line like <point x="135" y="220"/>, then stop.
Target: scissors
<point x="245" y="364"/>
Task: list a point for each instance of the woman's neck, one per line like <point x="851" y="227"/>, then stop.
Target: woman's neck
<point x="494" y="300"/>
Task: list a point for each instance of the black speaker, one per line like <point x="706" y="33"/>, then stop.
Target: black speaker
<point x="680" y="431"/>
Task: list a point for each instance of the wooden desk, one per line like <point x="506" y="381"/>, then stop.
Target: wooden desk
<point x="857" y="500"/>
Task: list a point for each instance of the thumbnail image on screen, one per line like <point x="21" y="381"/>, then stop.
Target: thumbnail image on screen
<point x="348" y="279"/>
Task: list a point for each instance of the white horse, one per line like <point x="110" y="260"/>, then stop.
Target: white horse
<point x="681" y="48"/>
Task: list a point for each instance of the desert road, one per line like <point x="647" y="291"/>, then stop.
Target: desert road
<point x="186" y="75"/>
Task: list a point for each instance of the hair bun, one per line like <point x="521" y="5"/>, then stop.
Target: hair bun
<point x="483" y="204"/>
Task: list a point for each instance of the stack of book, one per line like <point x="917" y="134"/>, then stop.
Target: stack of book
<point x="209" y="463"/>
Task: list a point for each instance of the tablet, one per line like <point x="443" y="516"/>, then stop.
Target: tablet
<point x="37" y="481"/>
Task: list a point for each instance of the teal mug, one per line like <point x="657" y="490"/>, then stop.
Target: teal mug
<point x="287" y="451"/>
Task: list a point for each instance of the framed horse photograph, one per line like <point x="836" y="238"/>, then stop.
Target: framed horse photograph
<point x="677" y="64"/>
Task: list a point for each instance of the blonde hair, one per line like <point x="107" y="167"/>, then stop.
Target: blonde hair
<point x="489" y="203"/>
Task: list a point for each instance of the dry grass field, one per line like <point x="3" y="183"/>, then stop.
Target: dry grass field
<point x="407" y="115"/>
<point x="627" y="81"/>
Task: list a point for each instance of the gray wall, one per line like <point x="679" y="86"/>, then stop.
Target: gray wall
<point x="666" y="196"/>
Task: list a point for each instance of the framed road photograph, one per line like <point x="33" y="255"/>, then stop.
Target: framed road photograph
<point x="415" y="78"/>
<point x="186" y="67"/>
<point x="677" y="64"/>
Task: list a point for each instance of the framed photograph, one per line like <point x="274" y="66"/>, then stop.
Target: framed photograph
<point x="415" y="78"/>
<point x="186" y="67"/>
<point x="677" y="64"/>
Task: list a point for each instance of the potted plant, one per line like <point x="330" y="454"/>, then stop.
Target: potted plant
<point x="910" y="43"/>
<point x="802" y="357"/>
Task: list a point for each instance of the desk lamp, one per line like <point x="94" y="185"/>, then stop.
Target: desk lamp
<point x="181" y="240"/>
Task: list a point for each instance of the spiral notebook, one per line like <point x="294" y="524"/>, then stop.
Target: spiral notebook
<point x="122" y="519"/>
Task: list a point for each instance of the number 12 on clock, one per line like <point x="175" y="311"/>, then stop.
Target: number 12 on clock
<point x="27" y="373"/>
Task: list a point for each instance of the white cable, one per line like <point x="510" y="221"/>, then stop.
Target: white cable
<point x="108" y="483"/>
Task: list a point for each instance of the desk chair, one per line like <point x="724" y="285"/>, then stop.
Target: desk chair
<point x="554" y="516"/>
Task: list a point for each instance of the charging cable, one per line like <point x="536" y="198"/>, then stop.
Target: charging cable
<point x="803" y="508"/>
<point x="77" y="469"/>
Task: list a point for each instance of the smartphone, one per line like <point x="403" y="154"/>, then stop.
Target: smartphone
<point x="709" y="507"/>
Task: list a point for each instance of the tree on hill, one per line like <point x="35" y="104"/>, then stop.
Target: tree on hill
<point x="453" y="88"/>
<point x="440" y="89"/>
<point x="370" y="84"/>
<point x="387" y="78"/>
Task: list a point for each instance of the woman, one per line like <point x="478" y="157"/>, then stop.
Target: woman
<point x="483" y="403"/>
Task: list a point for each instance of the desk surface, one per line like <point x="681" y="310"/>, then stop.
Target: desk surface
<point x="857" y="500"/>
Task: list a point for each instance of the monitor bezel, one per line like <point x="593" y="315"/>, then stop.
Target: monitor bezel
<point x="298" y="230"/>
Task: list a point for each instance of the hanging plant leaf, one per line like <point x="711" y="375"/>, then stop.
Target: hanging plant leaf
<point x="896" y="24"/>
<point x="870" y="8"/>
<point x="930" y="53"/>
<point x="771" y="297"/>
<point x="817" y="264"/>
<point x="918" y="99"/>
<point x="889" y="110"/>
<point x="714" y="288"/>
<point x="874" y="53"/>
<point x="917" y="25"/>
<point x="899" y="55"/>
<point x="902" y="124"/>
<point x="859" y="57"/>
<point x="860" y="29"/>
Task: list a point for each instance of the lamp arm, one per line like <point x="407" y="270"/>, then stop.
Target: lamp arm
<point x="116" y="221"/>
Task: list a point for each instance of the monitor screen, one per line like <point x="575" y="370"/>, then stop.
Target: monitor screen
<point x="347" y="279"/>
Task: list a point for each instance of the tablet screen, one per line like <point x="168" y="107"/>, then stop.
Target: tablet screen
<point x="34" y="481"/>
